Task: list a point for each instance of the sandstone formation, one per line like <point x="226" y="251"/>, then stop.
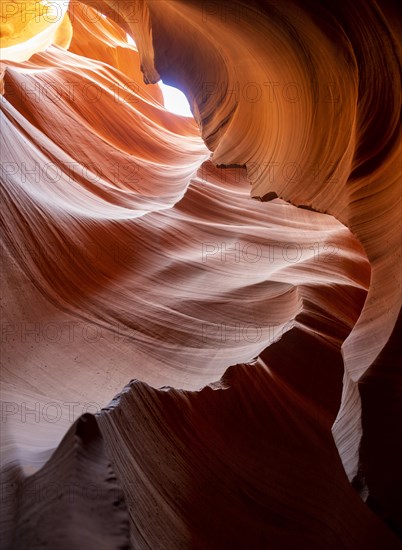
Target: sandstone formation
<point x="201" y="316"/>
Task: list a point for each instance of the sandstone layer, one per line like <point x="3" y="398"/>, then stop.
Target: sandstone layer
<point x="201" y="316"/>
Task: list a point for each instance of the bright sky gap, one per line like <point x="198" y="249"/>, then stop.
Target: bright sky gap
<point x="175" y="100"/>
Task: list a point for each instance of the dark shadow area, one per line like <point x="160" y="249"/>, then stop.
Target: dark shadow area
<point x="381" y="445"/>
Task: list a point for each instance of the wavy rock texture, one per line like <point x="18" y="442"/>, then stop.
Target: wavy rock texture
<point x="64" y="504"/>
<point x="132" y="250"/>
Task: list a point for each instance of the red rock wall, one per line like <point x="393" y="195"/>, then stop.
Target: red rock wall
<point x="132" y="250"/>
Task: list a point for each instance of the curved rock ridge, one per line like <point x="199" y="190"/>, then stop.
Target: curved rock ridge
<point x="132" y="249"/>
<point x="64" y="505"/>
<point x="303" y="110"/>
<point x="234" y="455"/>
<point x="237" y="463"/>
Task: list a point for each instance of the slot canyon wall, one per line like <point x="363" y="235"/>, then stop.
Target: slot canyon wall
<point x="201" y="316"/>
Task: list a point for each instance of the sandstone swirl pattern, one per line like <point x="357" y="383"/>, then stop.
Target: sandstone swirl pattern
<point x="184" y="366"/>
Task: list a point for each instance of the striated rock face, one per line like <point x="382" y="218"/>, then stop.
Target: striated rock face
<point x="64" y="505"/>
<point x="261" y="337"/>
